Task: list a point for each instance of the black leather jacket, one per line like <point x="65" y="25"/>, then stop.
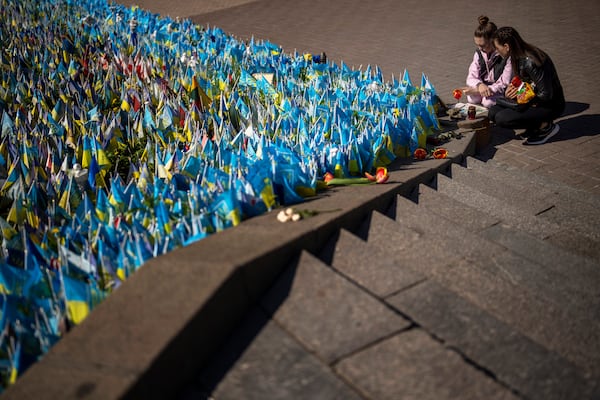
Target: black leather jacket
<point x="548" y="90"/>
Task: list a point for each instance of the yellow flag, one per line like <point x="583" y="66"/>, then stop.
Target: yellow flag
<point x="125" y="106"/>
<point x="77" y="311"/>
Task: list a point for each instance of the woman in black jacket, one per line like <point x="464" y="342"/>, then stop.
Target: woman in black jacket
<point x="535" y="67"/>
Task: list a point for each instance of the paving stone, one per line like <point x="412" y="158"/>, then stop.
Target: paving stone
<point x="461" y="214"/>
<point x="262" y="361"/>
<point x="326" y="312"/>
<point x="514" y="359"/>
<point x="376" y="270"/>
<point x="413" y="365"/>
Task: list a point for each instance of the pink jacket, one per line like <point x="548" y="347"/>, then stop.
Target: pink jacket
<point x="500" y="83"/>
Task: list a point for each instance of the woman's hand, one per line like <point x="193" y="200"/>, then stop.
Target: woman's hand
<point x="510" y="92"/>
<point x="484" y="90"/>
<point x="469" y="90"/>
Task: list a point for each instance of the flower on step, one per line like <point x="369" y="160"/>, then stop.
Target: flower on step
<point x="420" y="154"/>
<point x="289" y="214"/>
<point x="294" y="214"/>
<point x="440" y="153"/>
<point x="327" y="177"/>
<point x="322" y="183"/>
<point x="381" y="175"/>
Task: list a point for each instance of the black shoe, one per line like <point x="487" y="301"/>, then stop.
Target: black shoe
<point x="529" y="132"/>
<point x="542" y="135"/>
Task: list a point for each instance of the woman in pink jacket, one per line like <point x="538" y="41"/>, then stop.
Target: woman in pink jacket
<point x="489" y="74"/>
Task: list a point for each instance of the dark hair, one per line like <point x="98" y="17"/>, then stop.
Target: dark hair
<point x="486" y="28"/>
<point x="519" y="48"/>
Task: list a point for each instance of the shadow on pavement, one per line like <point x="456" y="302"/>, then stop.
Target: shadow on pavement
<point x="573" y="107"/>
<point x="239" y="343"/>
<point x="581" y="125"/>
<point x="570" y="128"/>
<point x="499" y="137"/>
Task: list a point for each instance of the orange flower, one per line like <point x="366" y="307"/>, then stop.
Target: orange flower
<point x="327" y="177"/>
<point x="440" y="153"/>
<point x="381" y="175"/>
<point x="420" y="154"/>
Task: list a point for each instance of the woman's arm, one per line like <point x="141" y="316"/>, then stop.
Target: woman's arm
<point x="539" y="75"/>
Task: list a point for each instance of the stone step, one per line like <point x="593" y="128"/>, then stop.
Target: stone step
<point x="560" y="267"/>
<point x="575" y="275"/>
<point x="441" y="235"/>
<point x="371" y="267"/>
<point x="541" y="182"/>
<point x="569" y="231"/>
<point x="262" y="361"/>
<point x="577" y="243"/>
<point x="568" y="207"/>
<point x="504" y="190"/>
<point x="525" y="294"/>
<point x="385" y="233"/>
<point x="513" y="359"/>
<point x="496" y="208"/>
<point x="414" y="365"/>
<point x="490" y="287"/>
<point x="512" y="302"/>
<point x="330" y="315"/>
<point x="551" y="282"/>
<point x="458" y="212"/>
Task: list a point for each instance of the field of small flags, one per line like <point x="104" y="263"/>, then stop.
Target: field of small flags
<point x="126" y="135"/>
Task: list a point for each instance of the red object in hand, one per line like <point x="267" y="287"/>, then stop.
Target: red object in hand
<point x="457" y="93"/>
<point x="516" y="81"/>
